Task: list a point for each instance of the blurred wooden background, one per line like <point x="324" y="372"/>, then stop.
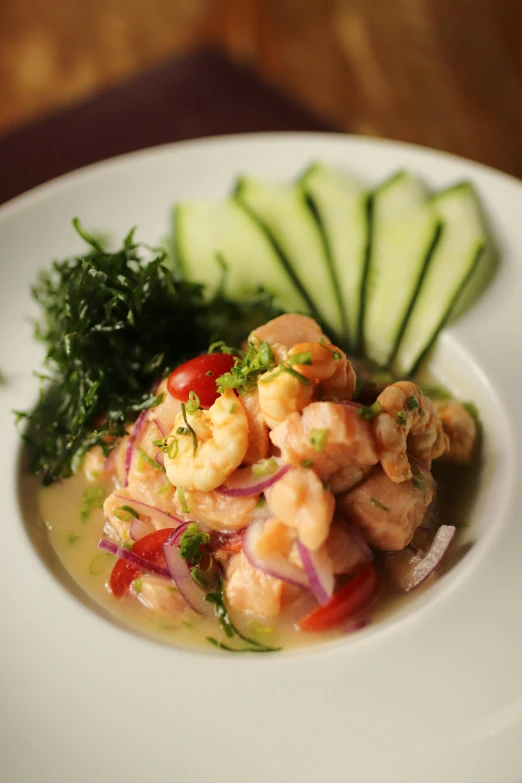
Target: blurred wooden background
<point x="444" y="73"/>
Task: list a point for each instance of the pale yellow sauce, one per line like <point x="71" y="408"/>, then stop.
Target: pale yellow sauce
<point x="76" y="542"/>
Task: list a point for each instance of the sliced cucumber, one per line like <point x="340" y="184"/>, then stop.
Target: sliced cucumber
<point x="211" y="235"/>
<point x="404" y="232"/>
<point x="340" y="204"/>
<point x="459" y="253"/>
<point x="283" y="213"/>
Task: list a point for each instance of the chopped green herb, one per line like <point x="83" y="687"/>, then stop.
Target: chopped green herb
<point x="137" y="585"/>
<point x="209" y="373"/>
<point x="189" y="428"/>
<point x="221" y="646"/>
<point x="307" y="463"/>
<point x="191" y="543"/>
<point x="126" y="513"/>
<point x="97" y="564"/>
<point x="92" y="498"/>
<point x="319" y="439"/>
<point x="336" y="355"/>
<point x="421" y="411"/>
<point x="143" y="458"/>
<point x="401" y="418"/>
<point x="111" y="323"/>
<point x="172" y="588"/>
<point x="412" y="403"/>
<point x="301" y="358"/>
<point x="378" y="505"/>
<point x="327" y="486"/>
<point x="165" y="489"/>
<point x="72" y="538"/>
<point x="126" y="545"/>
<point x="193" y="403"/>
<point x="183" y="502"/>
<point x="247" y="367"/>
<point x="172" y="448"/>
<point x="369" y="412"/>
<point x="186" y="624"/>
<point x="265" y="467"/>
<point x="224" y="348"/>
<point x="261" y="503"/>
<point x="418" y="483"/>
<point x="233" y="408"/>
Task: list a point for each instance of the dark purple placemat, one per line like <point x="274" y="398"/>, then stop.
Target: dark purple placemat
<point x="200" y="95"/>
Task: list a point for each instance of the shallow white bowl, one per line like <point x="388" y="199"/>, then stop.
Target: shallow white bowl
<point x="433" y="693"/>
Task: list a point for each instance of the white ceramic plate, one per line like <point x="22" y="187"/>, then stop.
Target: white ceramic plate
<point x="433" y="693"/>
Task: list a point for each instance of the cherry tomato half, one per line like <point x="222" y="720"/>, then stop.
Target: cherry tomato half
<point x="194" y="376"/>
<point x="150" y="547"/>
<point x="346" y="602"/>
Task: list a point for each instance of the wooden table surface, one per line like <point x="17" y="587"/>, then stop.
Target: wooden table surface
<point x="200" y="95"/>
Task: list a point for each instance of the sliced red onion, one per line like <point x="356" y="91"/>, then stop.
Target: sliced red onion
<point x="319" y="570"/>
<point x="139" y="528"/>
<point x="133" y="442"/>
<point x="130" y="557"/>
<point x="161" y="518"/>
<point x="422" y="569"/>
<point x="244" y="484"/>
<point x="180" y="573"/>
<point x="356" y="625"/>
<point x="273" y="565"/>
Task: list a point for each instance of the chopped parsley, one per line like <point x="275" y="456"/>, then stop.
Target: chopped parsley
<point x="191" y="543"/>
<point x="261" y="503"/>
<point x="319" y="439"/>
<point x="193" y="403"/>
<point x="412" y="403"/>
<point x="209" y="373"/>
<point x="247" y="367"/>
<point x="72" y="538"/>
<point x="92" y="498"/>
<point x="377" y="504"/>
<point x="369" y="412"/>
<point x="307" y="463"/>
<point x="401" y="418"/>
<point x="137" y="585"/>
<point x="336" y="356"/>
<point x="232" y="408"/>
<point x="419" y="483"/>
<point x="111" y="323"/>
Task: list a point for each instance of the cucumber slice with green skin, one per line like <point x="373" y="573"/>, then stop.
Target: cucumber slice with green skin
<point x="285" y="216"/>
<point x="457" y="257"/>
<point x="340" y="203"/>
<point x="212" y="234"/>
<point x="404" y="233"/>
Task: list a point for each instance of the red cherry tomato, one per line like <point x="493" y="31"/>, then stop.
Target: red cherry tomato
<point x="194" y="376"/>
<point x="346" y="602"/>
<point x="150" y="547"/>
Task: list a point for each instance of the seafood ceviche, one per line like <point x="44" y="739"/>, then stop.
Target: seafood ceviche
<point x="257" y="485"/>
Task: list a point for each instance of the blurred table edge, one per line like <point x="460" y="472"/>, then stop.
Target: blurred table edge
<point x="199" y="95"/>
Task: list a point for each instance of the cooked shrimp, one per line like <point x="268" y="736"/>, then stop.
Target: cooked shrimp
<point x="221" y="435"/>
<point x="288" y="330"/>
<point x="258" y="442"/>
<point x="280" y="394"/>
<point x="327" y="436"/>
<point x="156" y="593"/>
<point x="326" y="364"/>
<point x="407" y="421"/>
<point x="217" y="511"/>
<point x="300" y="501"/>
<point x="388" y="513"/>
<point x="275" y="538"/>
<point x="461" y="429"/>
<point x="250" y="590"/>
